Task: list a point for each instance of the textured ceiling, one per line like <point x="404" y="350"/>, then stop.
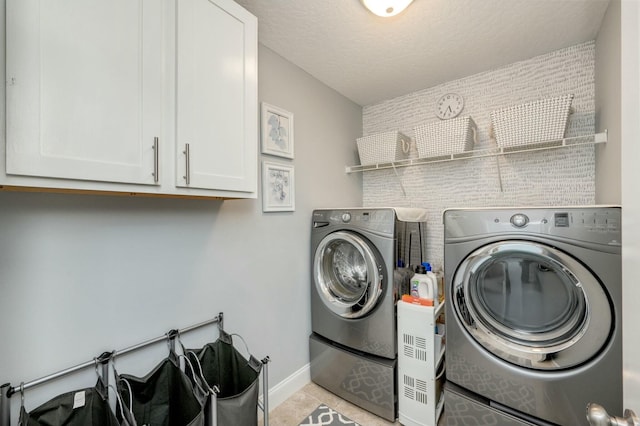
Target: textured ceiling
<point x="369" y="59"/>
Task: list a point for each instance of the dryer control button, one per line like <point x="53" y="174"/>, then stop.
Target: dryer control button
<point x="346" y="217"/>
<point x="519" y="220"/>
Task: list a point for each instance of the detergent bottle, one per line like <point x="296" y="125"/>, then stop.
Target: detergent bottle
<point x="421" y="285"/>
<point x="432" y="283"/>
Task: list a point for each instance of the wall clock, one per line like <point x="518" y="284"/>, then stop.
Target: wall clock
<point x="449" y="106"/>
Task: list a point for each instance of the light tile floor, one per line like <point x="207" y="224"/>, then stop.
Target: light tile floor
<point x="292" y="411"/>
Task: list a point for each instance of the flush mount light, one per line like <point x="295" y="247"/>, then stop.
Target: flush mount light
<point x="386" y="8"/>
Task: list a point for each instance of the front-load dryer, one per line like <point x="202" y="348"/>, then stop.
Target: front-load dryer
<point x="533" y="311"/>
<point x="361" y="260"/>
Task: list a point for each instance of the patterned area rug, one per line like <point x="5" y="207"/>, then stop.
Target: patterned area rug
<point x="325" y="416"/>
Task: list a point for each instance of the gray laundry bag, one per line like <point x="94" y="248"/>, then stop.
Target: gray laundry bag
<point x="164" y="397"/>
<point x="235" y="379"/>
<point x="65" y="410"/>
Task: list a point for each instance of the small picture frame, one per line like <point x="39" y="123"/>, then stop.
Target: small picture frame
<point x="277" y="131"/>
<point x="278" y="187"/>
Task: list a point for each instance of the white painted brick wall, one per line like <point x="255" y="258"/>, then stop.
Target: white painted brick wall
<point x="547" y="178"/>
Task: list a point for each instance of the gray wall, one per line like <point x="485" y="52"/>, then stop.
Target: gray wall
<point x="85" y="274"/>
<point x="608" y="107"/>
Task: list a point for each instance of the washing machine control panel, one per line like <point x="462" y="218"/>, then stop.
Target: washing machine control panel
<point x="379" y="220"/>
<point x="597" y="224"/>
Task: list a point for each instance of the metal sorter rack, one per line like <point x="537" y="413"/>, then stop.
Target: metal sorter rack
<point x="6" y="390"/>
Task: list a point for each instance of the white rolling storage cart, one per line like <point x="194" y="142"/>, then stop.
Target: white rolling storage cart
<point x="420" y="363"/>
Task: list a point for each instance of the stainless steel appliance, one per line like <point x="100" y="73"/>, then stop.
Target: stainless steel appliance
<point x="355" y="283"/>
<point x="533" y="314"/>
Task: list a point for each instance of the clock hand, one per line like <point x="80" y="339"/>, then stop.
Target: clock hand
<point x="449" y="109"/>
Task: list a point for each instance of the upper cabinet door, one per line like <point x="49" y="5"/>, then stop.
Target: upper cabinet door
<point x="84" y="88"/>
<point x="216" y="111"/>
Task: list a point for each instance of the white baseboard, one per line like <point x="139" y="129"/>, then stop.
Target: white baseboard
<point x="292" y="384"/>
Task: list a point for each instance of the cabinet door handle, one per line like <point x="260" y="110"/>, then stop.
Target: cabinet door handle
<point x="156" y="157"/>
<point x="187" y="165"/>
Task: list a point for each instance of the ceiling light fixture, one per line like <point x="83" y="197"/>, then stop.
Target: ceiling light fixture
<point x="386" y="8"/>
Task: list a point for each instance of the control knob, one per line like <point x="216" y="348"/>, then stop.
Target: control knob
<point x="519" y="220"/>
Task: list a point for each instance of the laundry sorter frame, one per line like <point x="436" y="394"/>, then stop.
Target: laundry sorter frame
<point x="6" y="390"/>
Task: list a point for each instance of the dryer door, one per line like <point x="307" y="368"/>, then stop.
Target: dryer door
<point x="532" y="305"/>
<point x="347" y="273"/>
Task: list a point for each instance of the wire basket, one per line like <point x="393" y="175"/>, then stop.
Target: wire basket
<point x="538" y="121"/>
<point x="447" y="137"/>
<point x="383" y="147"/>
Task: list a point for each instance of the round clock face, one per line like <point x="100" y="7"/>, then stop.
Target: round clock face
<point x="449" y="106"/>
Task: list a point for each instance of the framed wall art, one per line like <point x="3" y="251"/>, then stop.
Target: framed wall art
<point x="278" y="187"/>
<point x="277" y="131"/>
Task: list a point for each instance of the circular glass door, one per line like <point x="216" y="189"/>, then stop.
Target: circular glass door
<point x="347" y="274"/>
<point x="532" y="305"/>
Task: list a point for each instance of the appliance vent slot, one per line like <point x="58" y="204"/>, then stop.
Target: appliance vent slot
<point x="408" y="393"/>
<point x="421" y="342"/>
<point x="408" y="339"/>
<point x="415" y="389"/>
<point x="408" y="351"/>
<point x="421" y="355"/>
<point x="409" y="381"/>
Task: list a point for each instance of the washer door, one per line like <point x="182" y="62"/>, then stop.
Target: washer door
<point x="347" y="274"/>
<point x="532" y="305"/>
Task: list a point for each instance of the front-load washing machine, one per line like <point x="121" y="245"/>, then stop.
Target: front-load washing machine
<point x="533" y="314"/>
<point x="361" y="260"/>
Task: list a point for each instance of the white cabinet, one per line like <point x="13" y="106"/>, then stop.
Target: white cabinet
<point x="104" y="95"/>
<point x="215" y="143"/>
<point x="420" y="364"/>
<point x="84" y="88"/>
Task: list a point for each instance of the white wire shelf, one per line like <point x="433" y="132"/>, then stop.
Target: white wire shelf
<point x="488" y="152"/>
